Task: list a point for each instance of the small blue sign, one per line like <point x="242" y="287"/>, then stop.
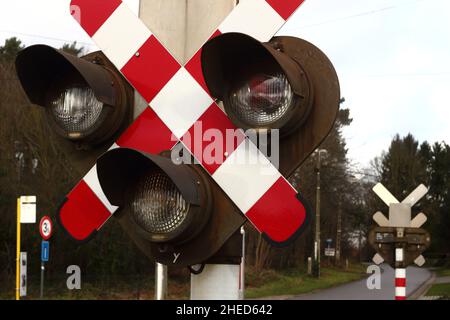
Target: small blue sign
<point x="45" y="251"/>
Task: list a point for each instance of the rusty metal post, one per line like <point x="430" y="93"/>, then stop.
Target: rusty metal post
<point x="339" y="234"/>
<point x="317" y="229"/>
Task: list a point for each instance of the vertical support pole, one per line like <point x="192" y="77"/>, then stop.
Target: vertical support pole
<point x="160" y="281"/>
<point x="309" y="266"/>
<point x="339" y="234"/>
<point x="183" y="26"/>
<point x="317" y="231"/>
<point x="400" y="276"/>
<point x="400" y="284"/>
<point x="242" y="269"/>
<point x="216" y="282"/>
<point x="221" y="277"/>
<point x="41" y="295"/>
<point x="179" y="28"/>
<point x="18" y="252"/>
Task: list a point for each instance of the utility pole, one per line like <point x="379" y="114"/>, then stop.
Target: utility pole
<point x="339" y="234"/>
<point x="317" y="230"/>
<point x="242" y="270"/>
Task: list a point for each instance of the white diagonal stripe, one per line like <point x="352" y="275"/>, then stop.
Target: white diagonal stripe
<point x="418" y="220"/>
<point x="384" y="194"/>
<point x="246" y="175"/>
<point x="121" y="36"/>
<point x="181" y="102"/>
<point x="380" y="219"/>
<point x="91" y="180"/>
<point x="255" y="18"/>
<point x="114" y="146"/>
<point x="416" y="195"/>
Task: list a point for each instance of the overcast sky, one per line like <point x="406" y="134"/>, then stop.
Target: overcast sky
<point x="392" y="58"/>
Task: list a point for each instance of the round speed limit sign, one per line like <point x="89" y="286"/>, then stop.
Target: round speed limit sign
<point x="46" y="228"/>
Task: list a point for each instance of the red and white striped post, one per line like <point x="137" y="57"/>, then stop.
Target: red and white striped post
<point x="400" y="284"/>
<point x="400" y="276"/>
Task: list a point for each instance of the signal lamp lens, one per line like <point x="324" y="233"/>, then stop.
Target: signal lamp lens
<point x="86" y="100"/>
<point x="157" y="206"/>
<point x="75" y="110"/>
<point x="261" y="100"/>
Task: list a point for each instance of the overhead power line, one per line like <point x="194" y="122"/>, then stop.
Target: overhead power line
<point x="358" y="15"/>
<point x="394" y="75"/>
<point x="45" y="37"/>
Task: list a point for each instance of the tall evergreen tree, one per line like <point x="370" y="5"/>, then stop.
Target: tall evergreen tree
<point x="10" y="49"/>
<point x="72" y="49"/>
<point x="440" y="196"/>
<point x="403" y="167"/>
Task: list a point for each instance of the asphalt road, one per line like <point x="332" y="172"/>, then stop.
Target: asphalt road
<point x="357" y="290"/>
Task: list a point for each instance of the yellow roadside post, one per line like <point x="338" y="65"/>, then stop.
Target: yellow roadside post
<point x="18" y="252"/>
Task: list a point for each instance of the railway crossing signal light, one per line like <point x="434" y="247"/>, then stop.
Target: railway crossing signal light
<point x="176" y="214"/>
<point x="286" y="84"/>
<point x="86" y="101"/>
<point x="293" y="87"/>
<point x="277" y="85"/>
<point x="168" y="209"/>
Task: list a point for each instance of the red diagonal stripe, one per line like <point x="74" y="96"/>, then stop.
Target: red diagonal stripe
<point x="148" y="134"/>
<point x="285" y="8"/>
<point x="83" y="213"/>
<point x="194" y="66"/>
<point x="213" y="123"/>
<point x="150" y="70"/>
<point x="93" y="14"/>
<point x="265" y="214"/>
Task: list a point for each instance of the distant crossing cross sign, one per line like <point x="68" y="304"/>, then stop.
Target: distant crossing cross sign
<point x="398" y="239"/>
<point x="177" y="97"/>
<point x="46" y="228"/>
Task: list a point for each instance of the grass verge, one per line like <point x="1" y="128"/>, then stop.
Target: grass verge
<point x="293" y="282"/>
<point x="443" y="272"/>
<point x="440" y="289"/>
<point x="258" y="284"/>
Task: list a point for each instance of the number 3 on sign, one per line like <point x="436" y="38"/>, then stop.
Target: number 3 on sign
<point x="46" y="228"/>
